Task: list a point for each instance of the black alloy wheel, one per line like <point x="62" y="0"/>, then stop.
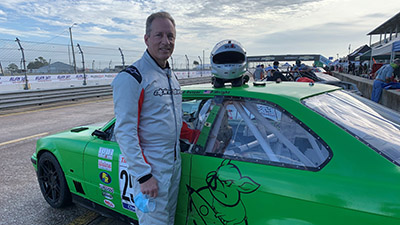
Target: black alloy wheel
<point x="52" y="181"/>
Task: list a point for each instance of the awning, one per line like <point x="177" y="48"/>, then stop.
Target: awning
<point x="396" y="46"/>
<point x="367" y="56"/>
<point x="383" y="50"/>
<point x="382" y="53"/>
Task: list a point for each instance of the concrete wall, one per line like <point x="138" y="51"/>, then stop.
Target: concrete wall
<point x="390" y="98"/>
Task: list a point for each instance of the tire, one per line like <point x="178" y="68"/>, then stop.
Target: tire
<point x="237" y="82"/>
<point x="218" y="83"/>
<point x="246" y="78"/>
<point x="52" y="181"/>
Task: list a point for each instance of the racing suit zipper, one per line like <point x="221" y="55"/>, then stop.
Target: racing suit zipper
<point x="173" y="108"/>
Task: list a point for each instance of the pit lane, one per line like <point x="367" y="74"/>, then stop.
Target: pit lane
<point x="21" y="201"/>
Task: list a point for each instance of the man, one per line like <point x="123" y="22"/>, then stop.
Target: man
<point x="276" y="74"/>
<point x="148" y="111"/>
<point x="259" y="73"/>
<point x="383" y="76"/>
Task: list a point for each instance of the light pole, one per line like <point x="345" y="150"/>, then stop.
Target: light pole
<point x="23" y="60"/>
<point x="1" y="68"/>
<point x="203" y="58"/>
<point x="172" y="62"/>
<point x="187" y="59"/>
<point x="201" y="68"/>
<point x="72" y="47"/>
<point x="123" y="59"/>
<point x="83" y="64"/>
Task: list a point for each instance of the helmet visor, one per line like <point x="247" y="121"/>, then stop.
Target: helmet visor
<point x="229" y="58"/>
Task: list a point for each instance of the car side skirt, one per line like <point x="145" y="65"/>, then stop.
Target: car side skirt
<point x="101" y="209"/>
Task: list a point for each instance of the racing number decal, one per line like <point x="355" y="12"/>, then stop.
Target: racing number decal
<point x="126" y="179"/>
<point x="125" y="185"/>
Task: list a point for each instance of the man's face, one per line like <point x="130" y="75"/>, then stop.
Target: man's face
<point x="161" y="40"/>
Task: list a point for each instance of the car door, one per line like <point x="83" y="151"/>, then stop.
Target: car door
<point x="249" y="154"/>
<point x="106" y="173"/>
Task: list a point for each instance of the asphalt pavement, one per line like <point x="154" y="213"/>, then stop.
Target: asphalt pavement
<point x="21" y="201"/>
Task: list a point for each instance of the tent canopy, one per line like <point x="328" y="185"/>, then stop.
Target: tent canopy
<point x="359" y="51"/>
<point x="367" y="56"/>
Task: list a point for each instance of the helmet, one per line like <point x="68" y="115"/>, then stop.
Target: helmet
<point x="228" y="60"/>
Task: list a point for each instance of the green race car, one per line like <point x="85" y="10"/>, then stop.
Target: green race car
<point x="275" y="153"/>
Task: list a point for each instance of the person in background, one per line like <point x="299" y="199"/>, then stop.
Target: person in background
<point x="148" y="111"/>
<point x="365" y="68"/>
<point x="276" y="74"/>
<point x="299" y="68"/>
<point x="276" y="66"/>
<point x="259" y="73"/>
<point x="383" y="76"/>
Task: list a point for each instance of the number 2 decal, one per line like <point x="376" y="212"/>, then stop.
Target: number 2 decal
<point x="124" y="176"/>
<point x="126" y="185"/>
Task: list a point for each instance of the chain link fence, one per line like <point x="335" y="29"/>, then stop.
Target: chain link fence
<point x="19" y="57"/>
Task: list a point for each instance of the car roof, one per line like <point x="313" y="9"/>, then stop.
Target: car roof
<point x="272" y="90"/>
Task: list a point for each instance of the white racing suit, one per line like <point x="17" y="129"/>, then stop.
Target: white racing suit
<point x="147" y="107"/>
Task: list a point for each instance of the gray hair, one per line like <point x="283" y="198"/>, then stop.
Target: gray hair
<point x="161" y="14"/>
<point x="397" y="61"/>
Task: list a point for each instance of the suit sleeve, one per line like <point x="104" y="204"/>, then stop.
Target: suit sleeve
<point x="128" y="96"/>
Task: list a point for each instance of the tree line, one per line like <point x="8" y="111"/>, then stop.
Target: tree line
<point x="39" y="62"/>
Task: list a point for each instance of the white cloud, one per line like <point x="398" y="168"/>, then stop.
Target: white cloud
<point x="263" y="27"/>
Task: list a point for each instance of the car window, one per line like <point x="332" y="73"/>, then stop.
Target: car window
<point x="369" y="122"/>
<point x="257" y="131"/>
<point x="189" y="110"/>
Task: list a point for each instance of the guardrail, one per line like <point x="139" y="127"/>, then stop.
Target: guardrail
<point x="39" y="97"/>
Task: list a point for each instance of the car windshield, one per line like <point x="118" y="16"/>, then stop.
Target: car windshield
<point x="368" y="121"/>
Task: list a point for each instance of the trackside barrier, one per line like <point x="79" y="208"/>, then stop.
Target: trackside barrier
<point x="36" y="82"/>
<point x="45" y="96"/>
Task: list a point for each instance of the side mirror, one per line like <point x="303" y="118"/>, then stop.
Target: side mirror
<point x="100" y="134"/>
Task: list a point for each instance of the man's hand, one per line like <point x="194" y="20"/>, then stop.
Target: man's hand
<point x="150" y="187"/>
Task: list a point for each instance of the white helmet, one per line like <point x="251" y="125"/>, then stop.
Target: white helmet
<point x="228" y="60"/>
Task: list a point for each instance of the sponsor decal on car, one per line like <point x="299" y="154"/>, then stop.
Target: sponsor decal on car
<point x="107" y="195"/>
<point x="126" y="185"/>
<point x="105" y="165"/>
<point x="107" y="188"/>
<point x="105" y="177"/>
<point x="269" y="112"/>
<point x="109" y="203"/>
<point x="106" y="153"/>
<point x="130" y="207"/>
<point x="220" y="92"/>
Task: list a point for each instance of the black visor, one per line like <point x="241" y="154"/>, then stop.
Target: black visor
<point x="228" y="58"/>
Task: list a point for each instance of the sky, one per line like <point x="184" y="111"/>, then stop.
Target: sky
<point x="263" y="27"/>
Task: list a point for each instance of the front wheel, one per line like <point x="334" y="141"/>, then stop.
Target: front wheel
<point x="52" y="181"/>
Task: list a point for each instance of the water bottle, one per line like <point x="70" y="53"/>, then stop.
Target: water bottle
<point x="144" y="203"/>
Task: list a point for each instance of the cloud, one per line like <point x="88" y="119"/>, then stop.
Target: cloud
<point x="263" y="27"/>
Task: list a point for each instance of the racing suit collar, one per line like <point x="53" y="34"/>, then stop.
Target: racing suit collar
<point x="166" y="65"/>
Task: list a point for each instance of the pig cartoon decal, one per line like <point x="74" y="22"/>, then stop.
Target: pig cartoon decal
<point x="221" y="197"/>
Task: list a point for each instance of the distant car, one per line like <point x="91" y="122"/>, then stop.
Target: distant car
<point x="282" y="153"/>
<point x="329" y="79"/>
